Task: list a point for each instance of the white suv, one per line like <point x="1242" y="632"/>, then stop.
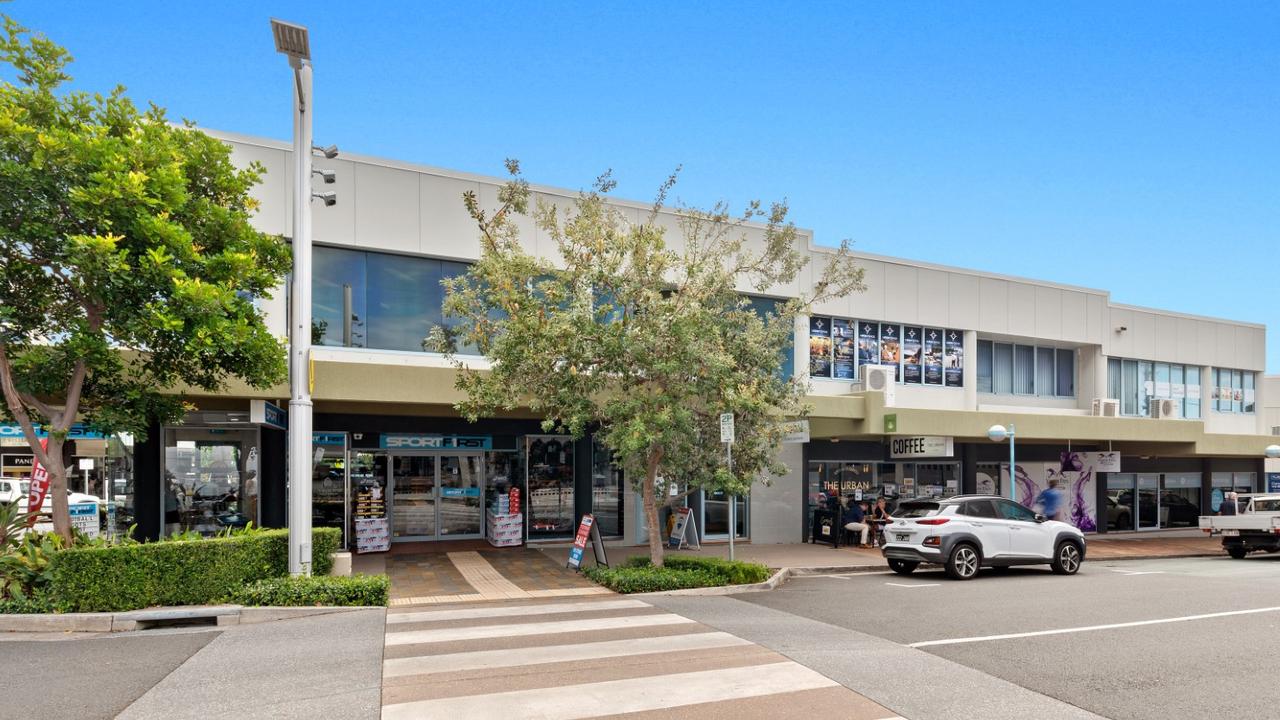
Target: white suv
<point x="968" y="532"/>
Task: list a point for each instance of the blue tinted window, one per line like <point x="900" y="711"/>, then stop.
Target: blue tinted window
<point x="333" y="271"/>
<point x="765" y="306"/>
<point x="404" y="300"/>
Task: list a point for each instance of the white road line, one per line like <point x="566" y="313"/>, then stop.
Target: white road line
<point x="543" y="628"/>
<point x="492" y="659"/>
<point x="511" y="611"/>
<point x="913" y="585"/>
<point x="1090" y="628"/>
<point x="1123" y="571"/>
<point x="572" y="702"/>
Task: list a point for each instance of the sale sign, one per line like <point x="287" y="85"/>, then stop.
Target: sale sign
<point x="39" y="485"/>
<point x="580" y="542"/>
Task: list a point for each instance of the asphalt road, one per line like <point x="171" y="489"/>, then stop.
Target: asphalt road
<point x="1087" y="651"/>
<point x="323" y="666"/>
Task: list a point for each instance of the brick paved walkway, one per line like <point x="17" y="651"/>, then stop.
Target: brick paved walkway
<point x="432" y="578"/>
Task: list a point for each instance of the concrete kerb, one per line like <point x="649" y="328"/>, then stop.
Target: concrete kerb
<point x="134" y="620"/>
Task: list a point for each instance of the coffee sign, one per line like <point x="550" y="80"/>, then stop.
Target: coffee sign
<point x="921" y="447"/>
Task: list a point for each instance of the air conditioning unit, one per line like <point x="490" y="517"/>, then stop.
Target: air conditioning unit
<point x="881" y="379"/>
<point x="1106" y="407"/>
<point x="1163" y="408"/>
<point x="1275" y="429"/>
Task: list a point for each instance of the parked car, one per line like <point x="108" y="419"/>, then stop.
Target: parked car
<point x="13" y="489"/>
<point x="968" y="532"/>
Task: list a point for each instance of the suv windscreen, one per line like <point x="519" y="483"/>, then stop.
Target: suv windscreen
<point x="912" y="509"/>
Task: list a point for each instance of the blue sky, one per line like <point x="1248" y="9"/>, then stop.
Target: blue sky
<point x="1133" y="147"/>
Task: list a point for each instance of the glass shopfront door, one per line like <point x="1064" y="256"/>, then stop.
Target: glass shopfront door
<point x="1148" y="502"/>
<point x="436" y="497"/>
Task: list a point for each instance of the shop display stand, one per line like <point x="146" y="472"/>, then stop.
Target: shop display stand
<point x="372" y="532"/>
<point x="504" y="522"/>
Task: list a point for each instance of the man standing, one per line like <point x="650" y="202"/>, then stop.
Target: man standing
<point x="1229" y="506"/>
<point x="854" y="521"/>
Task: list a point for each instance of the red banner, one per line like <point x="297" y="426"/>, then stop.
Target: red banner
<point x="39" y="483"/>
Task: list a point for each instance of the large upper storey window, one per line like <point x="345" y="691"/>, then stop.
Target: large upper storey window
<point x="1233" y="390"/>
<point x="838" y="348"/>
<point x="1135" y="383"/>
<point x="376" y="300"/>
<point x="1012" y="369"/>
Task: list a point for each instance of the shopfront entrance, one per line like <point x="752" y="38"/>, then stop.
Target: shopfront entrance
<point x="436" y="496"/>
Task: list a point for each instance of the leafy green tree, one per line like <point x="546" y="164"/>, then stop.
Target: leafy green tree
<point x="128" y="265"/>
<point x="639" y="338"/>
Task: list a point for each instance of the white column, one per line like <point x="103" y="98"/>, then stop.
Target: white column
<point x="970" y="370"/>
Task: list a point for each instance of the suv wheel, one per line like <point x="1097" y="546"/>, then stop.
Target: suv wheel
<point x="1066" y="558"/>
<point x="1236" y="551"/>
<point x="963" y="562"/>
<point x="903" y="567"/>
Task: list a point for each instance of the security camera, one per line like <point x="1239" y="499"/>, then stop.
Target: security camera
<point x="330" y="198"/>
<point x="330" y="152"/>
<point x="1121" y="329"/>
<point x="328" y="176"/>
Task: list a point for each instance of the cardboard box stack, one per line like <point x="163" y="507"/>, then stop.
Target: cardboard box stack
<point x="505" y="522"/>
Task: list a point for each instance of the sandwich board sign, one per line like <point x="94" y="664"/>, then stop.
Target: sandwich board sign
<point x="679" y="531"/>
<point x="587" y="530"/>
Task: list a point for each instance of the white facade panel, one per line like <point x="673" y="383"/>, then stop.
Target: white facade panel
<point x="275" y="190"/>
<point x="993" y="305"/>
<point x="1075" y="317"/>
<point x="1099" y="327"/>
<point x="1022" y="309"/>
<point x="1048" y="308"/>
<point x="901" y="293"/>
<point x="1143" y="330"/>
<point x="872" y="303"/>
<point x="963" y="301"/>
<point x="387" y="212"/>
<point x="443" y="220"/>
<point x="932" y="308"/>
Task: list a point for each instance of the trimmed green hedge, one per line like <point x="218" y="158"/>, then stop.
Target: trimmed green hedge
<point x="360" y="590"/>
<point x="176" y="572"/>
<point x="680" y="572"/>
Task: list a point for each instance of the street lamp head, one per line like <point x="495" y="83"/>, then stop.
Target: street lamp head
<point x="291" y="39"/>
<point x="997" y="433"/>
<point x="329" y="153"/>
<point x="1273" y="451"/>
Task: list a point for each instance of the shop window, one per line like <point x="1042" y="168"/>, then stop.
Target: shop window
<point x="1135" y="383"/>
<point x="921" y="355"/>
<point x="1233" y="391"/>
<point x="1066" y="373"/>
<point x="1180" y="500"/>
<point x="607" y="491"/>
<point x="985" y="363"/>
<point x="764" y="307"/>
<point x="338" y="279"/>
<point x="210" y="479"/>
<point x="549" y="463"/>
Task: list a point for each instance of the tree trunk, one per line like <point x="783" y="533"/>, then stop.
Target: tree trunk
<point x="58" y="493"/>
<point x="649" y="493"/>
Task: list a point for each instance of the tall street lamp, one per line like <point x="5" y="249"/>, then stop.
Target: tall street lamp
<point x="292" y="41"/>
<point x="998" y="433"/>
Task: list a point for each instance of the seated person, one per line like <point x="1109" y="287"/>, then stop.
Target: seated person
<point x="854" y="521"/>
<point x="880" y="514"/>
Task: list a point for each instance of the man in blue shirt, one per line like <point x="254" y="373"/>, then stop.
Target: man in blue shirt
<point x="853" y="520"/>
<point x="1050" y="501"/>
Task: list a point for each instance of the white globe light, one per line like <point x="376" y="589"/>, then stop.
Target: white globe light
<point x="997" y="433"/>
<point x="1273" y="451"/>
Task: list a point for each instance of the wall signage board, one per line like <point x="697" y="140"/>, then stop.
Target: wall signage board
<point x="921" y="447"/>
<point x="1273" y="482"/>
<point x="796" y="431"/>
<point x="269" y="414"/>
<point x="77" y="432"/>
<point x="680" y="528"/>
<point x="1106" y="461"/>
<point x="868" y="344"/>
<point x="406" y="441"/>
<point x="890" y="350"/>
<point x="819" y="347"/>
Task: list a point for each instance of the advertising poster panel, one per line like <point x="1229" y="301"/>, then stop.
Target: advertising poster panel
<point x="932" y="356"/>
<point x="846" y="349"/>
<point x="819" y="347"/>
<point x="890" y="349"/>
<point x="912" y="362"/>
<point x="954" y="347"/>
<point x="868" y="343"/>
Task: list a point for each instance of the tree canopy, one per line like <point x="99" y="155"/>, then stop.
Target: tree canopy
<point x="640" y="338"/>
<point x="128" y="264"/>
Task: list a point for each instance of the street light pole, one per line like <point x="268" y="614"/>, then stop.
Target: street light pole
<point x="998" y="433"/>
<point x="292" y="40"/>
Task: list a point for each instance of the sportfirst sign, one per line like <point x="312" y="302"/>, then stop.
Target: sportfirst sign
<point x="434" y="442"/>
